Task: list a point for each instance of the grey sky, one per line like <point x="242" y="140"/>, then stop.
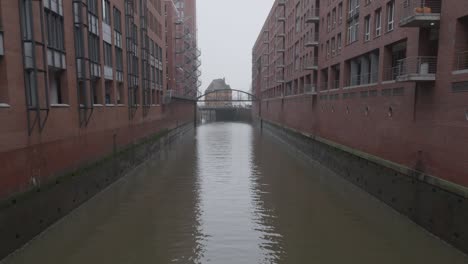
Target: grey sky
<point x="227" y="31"/>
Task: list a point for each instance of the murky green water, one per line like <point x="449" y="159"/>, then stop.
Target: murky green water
<point x="227" y="194"/>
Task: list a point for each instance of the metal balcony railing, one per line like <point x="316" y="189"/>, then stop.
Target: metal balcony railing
<point x="335" y="84"/>
<point x="363" y="79"/>
<point x="417" y="68"/>
<point x="313" y="15"/>
<point x="323" y="86"/>
<point x="461" y="61"/>
<point x="312" y="39"/>
<point x="311" y="63"/>
<point x="279" y="77"/>
<point x="391" y="74"/>
<point x="353" y="13"/>
<point x="310" y="88"/>
<point x="420" y="13"/>
<point x="281" y="2"/>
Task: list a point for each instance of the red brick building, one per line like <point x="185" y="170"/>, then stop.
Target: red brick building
<point x="78" y="78"/>
<point x="387" y="78"/>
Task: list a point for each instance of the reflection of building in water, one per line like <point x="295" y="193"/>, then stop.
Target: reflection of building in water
<point x="218" y="90"/>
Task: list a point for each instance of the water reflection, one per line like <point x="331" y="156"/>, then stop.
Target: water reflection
<point x="233" y="218"/>
<point x="227" y="194"/>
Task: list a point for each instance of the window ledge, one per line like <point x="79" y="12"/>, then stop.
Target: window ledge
<point x="388" y="82"/>
<point x="98" y="105"/>
<point x="120" y="105"/>
<point x="3" y="105"/>
<point x="110" y="105"/>
<point x="360" y="86"/>
<point x="460" y="72"/>
<point x="59" y="105"/>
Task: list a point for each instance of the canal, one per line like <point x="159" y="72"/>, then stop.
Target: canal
<point x="227" y="193"/>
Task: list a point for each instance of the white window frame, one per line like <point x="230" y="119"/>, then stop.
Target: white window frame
<point x="378" y="23"/>
<point x="390" y="15"/>
<point x="367" y="28"/>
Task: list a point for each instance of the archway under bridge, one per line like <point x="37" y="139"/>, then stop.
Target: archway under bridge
<point x="224" y="99"/>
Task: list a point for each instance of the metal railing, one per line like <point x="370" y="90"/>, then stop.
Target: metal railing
<point x="311" y="63"/>
<point x="335" y="84"/>
<point x="281" y="2"/>
<point x="461" y="60"/>
<point x="312" y="39"/>
<point x="420" y="8"/>
<point x="363" y="79"/>
<point x="279" y="77"/>
<point x="309" y="88"/>
<point x="323" y="86"/>
<point x="354" y="12"/>
<point x="417" y="65"/>
<point x="312" y="15"/>
<point x="391" y="74"/>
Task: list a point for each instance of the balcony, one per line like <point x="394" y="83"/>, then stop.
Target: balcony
<point x="280" y="18"/>
<point x="311" y="63"/>
<point x="323" y="86"/>
<point x="280" y="66"/>
<point x="461" y="61"/>
<point x="280" y="35"/>
<point x="353" y="13"/>
<point x="335" y="84"/>
<point x="310" y="89"/>
<point x="279" y="78"/>
<point x="362" y="80"/>
<point x="280" y="49"/>
<point x="313" y="16"/>
<point x="312" y="40"/>
<point x="416" y="69"/>
<point x="420" y="13"/>
<point x="281" y="2"/>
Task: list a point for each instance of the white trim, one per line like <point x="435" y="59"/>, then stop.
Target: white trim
<point x="460" y="72"/>
<point x="3" y="105"/>
<point x="59" y="105"/>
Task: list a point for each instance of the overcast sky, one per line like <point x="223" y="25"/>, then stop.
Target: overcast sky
<point x="227" y="31"/>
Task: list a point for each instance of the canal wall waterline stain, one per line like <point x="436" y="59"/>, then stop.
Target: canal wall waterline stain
<point x="440" y="208"/>
<point x="24" y="217"/>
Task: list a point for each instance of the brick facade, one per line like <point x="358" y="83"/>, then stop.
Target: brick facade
<point x="399" y="93"/>
<point x="94" y="98"/>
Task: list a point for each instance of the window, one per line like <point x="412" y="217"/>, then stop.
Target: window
<point x="93" y="39"/>
<point x="118" y="45"/>
<point x="120" y="93"/>
<point x="390" y="15"/>
<point x="338" y="43"/>
<point x="107" y="54"/>
<point x="298" y="17"/>
<point x="56" y="93"/>
<point x="367" y="2"/>
<point x="328" y="49"/>
<point x="106" y="12"/>
<point x="333" y="47"/>
<point x="340" y="13"/>
<point x="96" y="91"/>
<point x="378" y="22"/>
<point x="334" y="18"/>
<point x="54" y="25"/>
<point x="367" y="28"/>
<point x="109" y="89"/>
<point x="55" y="50"/>
<point x="353" y="31"/>
<point x="328" y="22"/>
